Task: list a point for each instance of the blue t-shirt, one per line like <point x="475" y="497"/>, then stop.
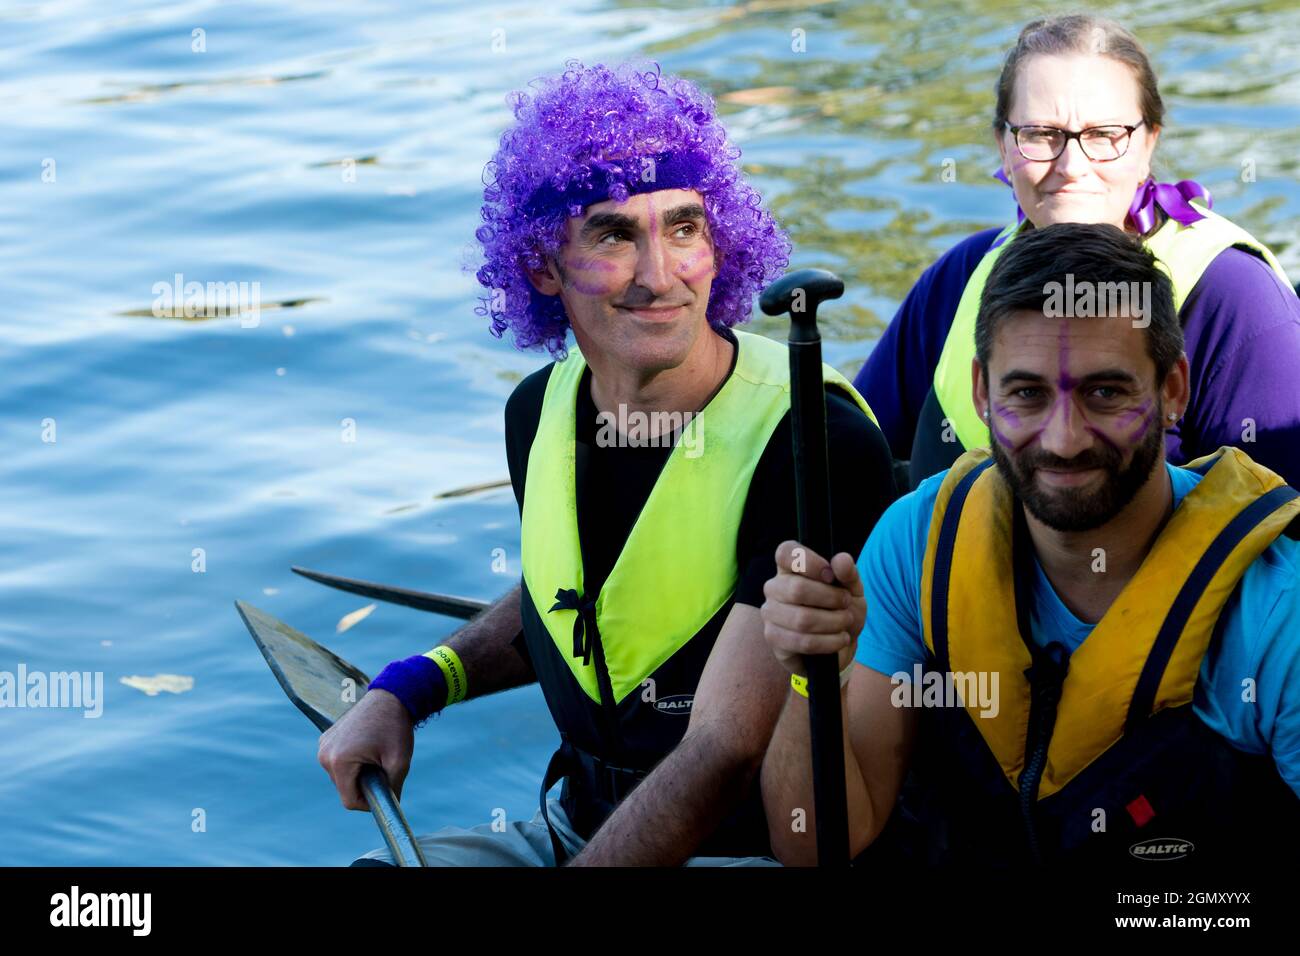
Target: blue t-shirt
<point x="1260" y="640"/>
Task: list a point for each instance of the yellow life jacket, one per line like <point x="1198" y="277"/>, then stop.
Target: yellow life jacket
<point x="678" y="566"/>
<point x="619" y="669"/>
<point x="1157" y="629"/>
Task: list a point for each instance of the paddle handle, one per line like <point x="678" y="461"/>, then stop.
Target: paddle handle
<point x="813" y="505"/>
<point x="389" y="817"/>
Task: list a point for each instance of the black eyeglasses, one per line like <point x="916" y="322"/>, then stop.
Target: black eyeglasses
<point x="1101" y="144"/>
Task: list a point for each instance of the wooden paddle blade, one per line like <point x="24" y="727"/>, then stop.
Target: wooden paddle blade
<point x="315" y="678"/>
<point x="324" y="687"/>
<point x="448" y="604"/>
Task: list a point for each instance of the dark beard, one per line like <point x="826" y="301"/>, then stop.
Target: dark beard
<point x="1072" y="509"/>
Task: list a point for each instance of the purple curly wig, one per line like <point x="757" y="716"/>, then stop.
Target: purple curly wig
<point x="591" y="134"/>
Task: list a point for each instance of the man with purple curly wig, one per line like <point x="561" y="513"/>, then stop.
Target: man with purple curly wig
<point x="658" y="469"/>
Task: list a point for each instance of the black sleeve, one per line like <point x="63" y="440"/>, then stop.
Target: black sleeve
<point x="862" y="486"/>
<point x="523" y="412"/>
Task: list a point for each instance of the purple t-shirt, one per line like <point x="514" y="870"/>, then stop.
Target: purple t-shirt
<point x="1241" y="327"/>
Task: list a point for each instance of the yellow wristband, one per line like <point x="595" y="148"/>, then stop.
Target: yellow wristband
<point x="800" y="683"/>
<point x="453" y="670"/>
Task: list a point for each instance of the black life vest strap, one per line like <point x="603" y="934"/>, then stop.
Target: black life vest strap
<point x="589" y="776"/>
<point x="943" y="565"/>
<point x="1190" y="594"/>
<point x="555" y="770"/>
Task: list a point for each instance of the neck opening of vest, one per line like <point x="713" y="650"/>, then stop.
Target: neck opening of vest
<point x="974" y="690"/>
<point x="635" y="428"/>
<point x="1098" y="300"/>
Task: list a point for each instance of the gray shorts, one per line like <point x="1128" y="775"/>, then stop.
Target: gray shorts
<point x="523" y="844"/>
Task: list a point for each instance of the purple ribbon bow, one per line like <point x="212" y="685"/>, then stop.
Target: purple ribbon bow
<point x="1173" y="198"/>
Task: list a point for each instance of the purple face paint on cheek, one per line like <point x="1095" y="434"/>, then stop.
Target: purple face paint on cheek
<point x="1144" y="415"/>
<point x="1143" y="426"/>
<point x="1002" y="439"/>
<point x="1102" y="437"/>
<point x="591" y="285"/>
<point x="1129" y="417"/>
<point x="1013" y="420"/>
<point x="1007" y="415"/>
<point x="696" y="267"/>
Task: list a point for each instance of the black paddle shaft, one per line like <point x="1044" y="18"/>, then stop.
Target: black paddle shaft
<point x="799" y="294"/>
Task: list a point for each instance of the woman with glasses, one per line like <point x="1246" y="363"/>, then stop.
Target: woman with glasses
<point x="1077" y="119"/>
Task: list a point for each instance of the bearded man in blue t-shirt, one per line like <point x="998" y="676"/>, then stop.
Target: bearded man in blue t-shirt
<point x="1062" y="648"/>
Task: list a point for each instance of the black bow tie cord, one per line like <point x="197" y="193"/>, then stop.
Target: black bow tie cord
<point x="567" y="599"/>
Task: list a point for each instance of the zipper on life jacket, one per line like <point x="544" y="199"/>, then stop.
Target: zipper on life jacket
<point x="1046" y="677"/>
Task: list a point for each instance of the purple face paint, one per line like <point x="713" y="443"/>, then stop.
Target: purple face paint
<point x="1144" y="415"/>
<point x="587" y="288"/>
<point x="1007" y="415"/>
<point x="1003" y="439"/>
<point x="593" y="264"/>
<point x="1102" y="437"/>
<point x="1013" y="420"/>
<point x="686" y="269"/>
<point x="1129" y="417"/>
<point x="1138" y="433"/>
<point x="1065" y="381"/>
<point x="592" y="287"/>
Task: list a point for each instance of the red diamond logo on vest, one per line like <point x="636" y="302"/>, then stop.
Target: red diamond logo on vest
<point x="1140" y="810"/>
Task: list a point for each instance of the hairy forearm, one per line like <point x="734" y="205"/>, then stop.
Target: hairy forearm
<point x="485" y="650"/>
<point x="675" y="809"/>
<point x="787" y="782"/>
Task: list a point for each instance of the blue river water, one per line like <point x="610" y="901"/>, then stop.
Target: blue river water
<point x="155" y="469"/>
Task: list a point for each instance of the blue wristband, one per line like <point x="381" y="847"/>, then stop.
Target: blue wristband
<point x="418" y="683"/>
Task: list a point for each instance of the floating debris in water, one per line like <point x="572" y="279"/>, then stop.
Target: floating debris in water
<point x="151" y="91"/>
<point x="355" y="160"/>
<point x="153" y="686"/>
<point x="759" y="95"/>
<point x="470" y="489"/>
<point x="198" y="312"/>
<point x="348" y="621"/>
<point x="270" y="592"/>
<point x="400" y="508"/>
